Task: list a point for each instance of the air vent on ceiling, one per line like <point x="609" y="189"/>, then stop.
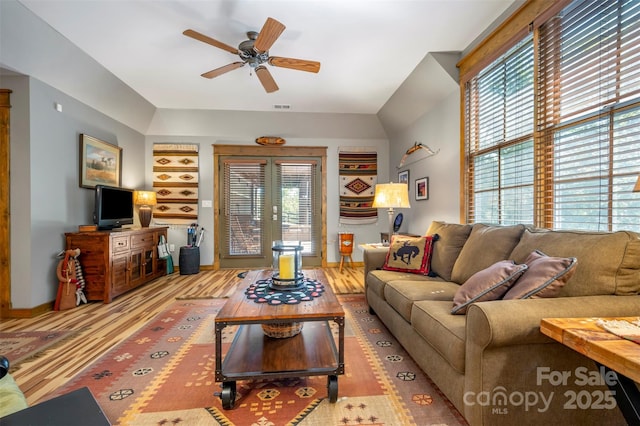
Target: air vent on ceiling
<point x="281" y="106"/>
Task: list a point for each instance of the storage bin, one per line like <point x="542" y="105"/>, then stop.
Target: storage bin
<point x="189" y="260"/>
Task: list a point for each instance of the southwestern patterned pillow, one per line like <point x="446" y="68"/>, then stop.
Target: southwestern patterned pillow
<point x="410" y="254"/>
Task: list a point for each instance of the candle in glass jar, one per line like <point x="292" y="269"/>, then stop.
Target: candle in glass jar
<point x="287" y="267"/>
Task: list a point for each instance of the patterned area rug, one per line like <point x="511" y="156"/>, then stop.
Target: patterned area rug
<point x="24" y="345"/>
<point x="164" y="374"/>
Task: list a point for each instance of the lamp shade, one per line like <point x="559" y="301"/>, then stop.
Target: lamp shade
<point x="145" y="198"/>
<point x="391" y="195"/>
<point x="637" y="187"/>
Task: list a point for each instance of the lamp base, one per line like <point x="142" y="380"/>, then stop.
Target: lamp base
<point x="390" y="224"/>
<point x="144" y="213"/>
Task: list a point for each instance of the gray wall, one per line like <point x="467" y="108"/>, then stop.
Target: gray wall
<point x="46" y="199"/>
<point x="429" y="113"/>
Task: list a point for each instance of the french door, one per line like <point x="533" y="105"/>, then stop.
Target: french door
<point x="267" y="199"/>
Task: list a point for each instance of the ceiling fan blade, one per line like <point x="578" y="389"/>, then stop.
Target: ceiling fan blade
<point x="222" y="70"/>
<point x="295" y="64"/>
<point x="268" y="35"/>
<point x="206" y="39"/>
<point x="266" y="79"/>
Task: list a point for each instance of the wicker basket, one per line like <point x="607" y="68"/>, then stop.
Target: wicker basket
<point x="281" y="330"/>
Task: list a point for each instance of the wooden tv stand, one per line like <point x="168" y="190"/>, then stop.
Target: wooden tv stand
<point x="114" y="262"/>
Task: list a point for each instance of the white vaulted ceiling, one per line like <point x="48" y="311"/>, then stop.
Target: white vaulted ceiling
<point x="367" y="48"/>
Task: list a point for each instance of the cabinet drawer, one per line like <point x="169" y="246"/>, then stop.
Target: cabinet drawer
<point x="142" y="240"/>
<point x="120" y="243"/>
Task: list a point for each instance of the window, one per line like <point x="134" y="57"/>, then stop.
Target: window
<point x="243" y="207"/>
<point x="299" y="199"/>
<point x="499" y="139"/>
<point x="572" y="162"/>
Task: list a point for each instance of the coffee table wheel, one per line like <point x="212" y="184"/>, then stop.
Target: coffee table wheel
<point x="332" y="388"/>
<point x="228" y="395"/>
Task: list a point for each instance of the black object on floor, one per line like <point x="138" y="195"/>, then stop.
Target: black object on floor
<point x="243" y="274"/>
<point x="75" y="408"/>
<point x="189" y="260"/>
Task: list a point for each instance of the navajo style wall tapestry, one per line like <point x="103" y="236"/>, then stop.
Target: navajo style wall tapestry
<point x="175" y="180"/>
<point x="358" y="170"/>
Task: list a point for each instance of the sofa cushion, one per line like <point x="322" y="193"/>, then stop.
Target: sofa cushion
<point x="608" y="263"/>
<point x="378" y="279"/>
<point x="489" y="284"/>
<point x="432" y="319"/>
<point x="545" y="276"/>
<point x="485" y="246"/>
<point x="402" y="294"/>
<point x="409" y="254"/>
<point x="451" y="239"/>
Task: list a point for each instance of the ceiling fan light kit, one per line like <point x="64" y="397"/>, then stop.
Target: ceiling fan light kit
<point x="255" y="52"/>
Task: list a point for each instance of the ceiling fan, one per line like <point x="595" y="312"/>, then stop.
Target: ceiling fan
<point x="255" y="52"/>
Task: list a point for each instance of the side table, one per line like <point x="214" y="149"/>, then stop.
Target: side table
<point x="613" y="353"/>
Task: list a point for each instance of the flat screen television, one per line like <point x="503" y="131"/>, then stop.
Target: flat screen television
<point x="113" y="207"/>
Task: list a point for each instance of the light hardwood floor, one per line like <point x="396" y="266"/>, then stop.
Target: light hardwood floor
<point x="102" y="326"/>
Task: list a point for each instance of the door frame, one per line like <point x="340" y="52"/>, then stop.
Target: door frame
<point x="267" y="151"/>
<point x="5" y="214"/>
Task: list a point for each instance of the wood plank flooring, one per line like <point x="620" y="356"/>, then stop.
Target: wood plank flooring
<point x="102" y="326"/>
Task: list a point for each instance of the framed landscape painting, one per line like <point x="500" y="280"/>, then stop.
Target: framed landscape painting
<point x="100" y="163"/>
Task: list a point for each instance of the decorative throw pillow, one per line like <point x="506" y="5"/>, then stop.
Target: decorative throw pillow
<point x="489" y="284"/>
<point x="410" y="254"/>
<point x="544" y="278"/>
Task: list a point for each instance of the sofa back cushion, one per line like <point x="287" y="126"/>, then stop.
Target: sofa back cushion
<point x="452" y="237"/>
<point x="485" y="246"/>
<point x="608" y="263"/>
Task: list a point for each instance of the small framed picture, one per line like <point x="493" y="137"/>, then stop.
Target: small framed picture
<point x="403" y="177"/>
<point x="100" y="163"/>
<point x="422" y="189"/>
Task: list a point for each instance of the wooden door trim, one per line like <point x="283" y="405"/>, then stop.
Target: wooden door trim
<point x="266" y="151"/>
<point x="5" y="219"/>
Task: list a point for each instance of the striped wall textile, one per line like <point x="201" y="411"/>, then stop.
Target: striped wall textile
<point x="358" y="169"/>
<point x="175" y="180"/>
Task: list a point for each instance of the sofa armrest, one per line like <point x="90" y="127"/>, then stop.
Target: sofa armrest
<point x="512" y="322"/>
<point x="373" y="259"/>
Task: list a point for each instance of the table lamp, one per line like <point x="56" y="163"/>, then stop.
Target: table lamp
<point x="391" y="195"/>
<point x="145" y="199"/>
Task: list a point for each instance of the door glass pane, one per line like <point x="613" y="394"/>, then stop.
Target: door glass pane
<point x="298" y="205"/>
<point x="244" y="204"/>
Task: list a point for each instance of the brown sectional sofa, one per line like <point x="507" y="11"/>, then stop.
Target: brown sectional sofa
<point x="493" y="363"/>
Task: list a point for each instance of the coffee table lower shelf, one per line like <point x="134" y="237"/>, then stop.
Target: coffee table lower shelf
<point x="253" y="355"/>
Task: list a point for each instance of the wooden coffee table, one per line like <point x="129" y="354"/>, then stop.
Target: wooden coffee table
<point x="253" y="355"/>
